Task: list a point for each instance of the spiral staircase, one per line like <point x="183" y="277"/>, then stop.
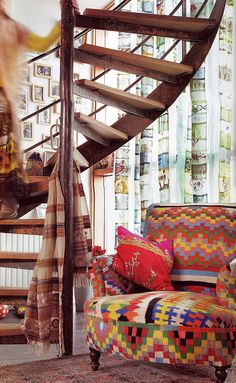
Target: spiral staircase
<point x="102" y="139"/>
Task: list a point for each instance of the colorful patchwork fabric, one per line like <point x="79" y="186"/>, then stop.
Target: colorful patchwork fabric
<point x="106" y="281"/>
<point x="115" y="283"/>
<point x="163" y="327"/>
<point x="204" y="240"/>
<point x="95" y="274"/>
<point x="147" y="263"/>
<point x="163" y="308"/>
<point x="226" y="286"/>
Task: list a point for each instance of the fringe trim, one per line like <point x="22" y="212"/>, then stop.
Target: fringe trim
<point x="81" y="280"/>
<point x="41" y="349"/>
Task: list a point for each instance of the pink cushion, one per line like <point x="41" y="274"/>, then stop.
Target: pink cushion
<point x="146" y="263"/>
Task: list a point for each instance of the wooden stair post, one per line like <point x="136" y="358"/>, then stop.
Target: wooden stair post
<point x="66" y="165"/>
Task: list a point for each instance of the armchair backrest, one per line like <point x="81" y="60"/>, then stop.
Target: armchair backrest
<point x="204" y="240"/>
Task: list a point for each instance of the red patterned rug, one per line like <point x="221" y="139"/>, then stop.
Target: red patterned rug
<point x="76" y="369"/>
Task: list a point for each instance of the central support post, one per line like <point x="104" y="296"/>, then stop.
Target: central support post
<point x="66" y="164"/>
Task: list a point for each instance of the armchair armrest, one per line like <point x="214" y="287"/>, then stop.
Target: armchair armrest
<point x="105" y="280"/>
<point x="226" y="285"/>
<point x="95" y="274"/>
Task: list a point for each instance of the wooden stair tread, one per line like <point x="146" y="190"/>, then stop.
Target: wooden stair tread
<point x="115" y="97"/>
<point x="11" y="330"/>
<point x="133" y="63"/>
<point x="13" y="295"/>
<point x="103" y="130"/>
<point x="163" y="21"/>
<point x="22" y="226"/>
<point x="133" y="22"/>
<point x="19" y="256"/>
<point x="22" y="222"/>
<point x="8" y="329"/>
<point x="16" y="291"/>
<point x="37" y="185"/>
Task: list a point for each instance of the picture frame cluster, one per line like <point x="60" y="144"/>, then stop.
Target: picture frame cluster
<point x="38" y="86"/>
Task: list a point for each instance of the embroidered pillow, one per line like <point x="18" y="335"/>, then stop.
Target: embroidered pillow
<point x="146" y="263"/>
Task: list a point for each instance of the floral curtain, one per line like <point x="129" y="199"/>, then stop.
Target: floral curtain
<point x="187" y="154"/>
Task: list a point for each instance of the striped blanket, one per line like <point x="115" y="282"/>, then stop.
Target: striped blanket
<point x="43" y="322"/>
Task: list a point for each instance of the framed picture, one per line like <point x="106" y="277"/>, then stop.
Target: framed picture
<point x="44" y="118"/>
<point x="25" y="75"/>
<point x="76" y="76"/>
<point x="27" y="130"/>
<point x="47" y="155"/>
<point x="56" y="142"/>
<point x="105" y="167"/>
<point x="54" y="89"/>
<point x="81" y="40"/>
<point x="43" y="70"/>
<point x="22" y="101"/>
<point x="57" y="108"/>
<point x="38" y="93"/>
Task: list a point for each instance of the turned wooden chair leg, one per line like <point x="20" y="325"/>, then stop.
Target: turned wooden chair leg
<point x="94" y="355"/>
<point x="221" y="373"/>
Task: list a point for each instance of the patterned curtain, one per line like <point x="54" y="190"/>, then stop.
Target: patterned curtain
<point x="186" y="155"/>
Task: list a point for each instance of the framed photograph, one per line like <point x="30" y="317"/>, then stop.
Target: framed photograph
<point x="56" y="142"/>
<point x="38" y="93"/>
<point x="27" y="130"/>
<point x="47" y="155"/>
<point x="57" y="108"/>
<point x="54" y="89"/>
<point x="25" y="75"/>
<point x="22" y="100"/>
<point x="43" y="70"/>
<point x="76" y="76"/>
<point x="44" y="118"/>
<point x="81" y="40"/>
<point x="105" y="167"/>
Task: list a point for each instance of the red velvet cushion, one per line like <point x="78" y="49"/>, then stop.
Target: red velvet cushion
<point x="147" y="263"/>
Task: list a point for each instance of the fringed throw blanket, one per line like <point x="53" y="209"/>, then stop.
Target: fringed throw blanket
<point x="43" y="322"/>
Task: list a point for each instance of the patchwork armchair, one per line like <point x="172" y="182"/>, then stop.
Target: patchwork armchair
<point x="193" y="324"/>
